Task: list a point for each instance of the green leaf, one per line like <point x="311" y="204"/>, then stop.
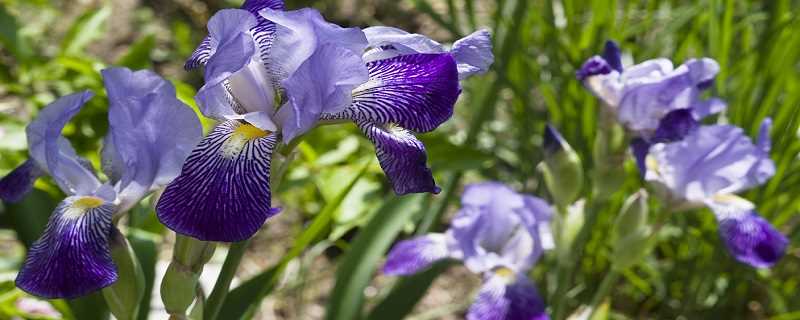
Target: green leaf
<point x="86" y="28"/>
<point x="356" y="268"/>
<point x="138" y="55"/>
<point x="405" y="294"/>
<point x="9" y="35"/>
<point x="29" y="216"/>
<point x="145" y="245"/>
<point x="90" y="307"/>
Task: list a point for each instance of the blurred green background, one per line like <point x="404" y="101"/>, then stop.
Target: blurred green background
<point x="321" y="253"/>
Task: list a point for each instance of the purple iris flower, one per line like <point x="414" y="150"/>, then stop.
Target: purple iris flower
<point x="150" y="135"/>
<point x="498" y="234"/>
<point x="642" y="95"/>
<point x="706" y="168"/>
<point x="272" y="75"/>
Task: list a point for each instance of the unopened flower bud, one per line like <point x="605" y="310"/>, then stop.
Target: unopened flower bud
<point x="562" y="169"/>
<point x="570" y="225"/>
<point x="631" y="233"/>
<point x="178" y="289"/>
<point x="124" y="296"/>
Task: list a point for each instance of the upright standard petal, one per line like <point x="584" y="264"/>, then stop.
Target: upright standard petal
<point x="322" y="84"/>
<point x="300" y="33"/>
<point x="402" y="157"/>
<point x="473" y="53"/>
<point x="413" y="255"/>
<point x="263" y="33"/>
<point x="53" y="153"/>
<point x="417" y="92"/>
<point x="151" y="132"/>
<point x="19" y="182"/>
<point x="72" y="257"/>
<point x="612" y="55"/>
<point x="749" y="238"/>
<point x="507" y="296"/>
<point x="223" y="191"/>
<point x="718" y="159"/>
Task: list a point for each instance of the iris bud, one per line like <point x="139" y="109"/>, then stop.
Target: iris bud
<point x="562" y="169"/>
<point x="123" y="297"/>
<point x="179" y="286"/>
<point x="571" y="224"/>
<point x="631" y="232"/>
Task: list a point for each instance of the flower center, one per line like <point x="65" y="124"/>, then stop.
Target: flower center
<point x="243" y="134"/>
<point x="79" y="207"/>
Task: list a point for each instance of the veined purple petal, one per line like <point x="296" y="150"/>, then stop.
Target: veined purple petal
<point x="263" y="33"/>
<point x="413" y="255"/>
<point x="19" y="182"/>
<point x="749" y="238"/>
<point x="150" y="130"/>
<point x="322" y="84"/>
<point x="53" y="153"/>
<point x="223" y="191"/>
<point x="612" y="55"/>
<point x="416" y="91"/>
<point x="402" y="157"/>
<point x="473" y="53"/>
<point x="507" y="296"/>
<point x="72" y="257"/>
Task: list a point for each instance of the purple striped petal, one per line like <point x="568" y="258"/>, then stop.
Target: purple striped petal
<point x="507" y="296"/>
<point x="753" y="240"/>
<point x="416" y="91"/>
<point x="674" y="126"/>
<point x="19" y="182"/>
<point x="413" y="255"/>
<point x="402" y="157"/>
<point x="223" y="191"/>
<point x="53" y="153"/>
<point x="72" y="257"/>
<point x="596" y="65"/>
<point x="263" y="33"/>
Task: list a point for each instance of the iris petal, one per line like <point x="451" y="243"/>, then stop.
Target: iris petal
<point x="413" y="255"/>
<point x="416" y="91"/>
<point x="753" y="240"/>
<point x="402" y="157"/>
<point x="223" y="191"/>
<point x="18" y="182"/>
<point x="506" y="296"/>
<point x="263" y="33"/>
<point x="72" y="257"/>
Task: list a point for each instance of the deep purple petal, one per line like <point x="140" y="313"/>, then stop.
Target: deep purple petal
<point x="402" y="157"/>
<point x="72" y="257"/>
<point x="322" y="84"/>
<point x="640" y="148"/>
<point x="413" y="255"/>
<point x="592" y="67"/>
<point x="553" y="141"/>
<point x="753" y="240"/>
<point x="674" y="126"/>
<point x="19" y="182"/>
<point x="763" y="141"/>
<point x="612" y="55"/>
<point x="223" y="191"/>
<point x="504" y="298"/>
<point x="166" y="130"/>
<point x="416" y="91"/>
<point x="53" y="153"/>
<point x="263" y="34"/>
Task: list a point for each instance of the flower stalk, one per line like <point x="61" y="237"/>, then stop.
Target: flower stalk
<point x="178" y="290"/>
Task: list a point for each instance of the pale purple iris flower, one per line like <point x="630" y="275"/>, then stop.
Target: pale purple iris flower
<point x="150" y="135"/>
<point x="641" y="95"/>
<point x="272" y="75"/>
<point x="707" y="168"/>
<point x="498" y="234"/>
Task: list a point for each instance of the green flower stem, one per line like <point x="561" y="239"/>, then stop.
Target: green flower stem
<point x="603" y="290"/>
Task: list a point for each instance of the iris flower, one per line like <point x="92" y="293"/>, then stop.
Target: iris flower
<point x="272" y="75"/>
<point x="642" y="94"/>
<point x="150" y="135"/>
<point x="498" y="234"/>
<point x="707" y="168"/>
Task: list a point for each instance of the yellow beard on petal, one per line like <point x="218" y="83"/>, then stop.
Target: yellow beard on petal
<point x="240" y="137"/>
<point x="79" y="207"/>
<point x="506" y="274"/>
